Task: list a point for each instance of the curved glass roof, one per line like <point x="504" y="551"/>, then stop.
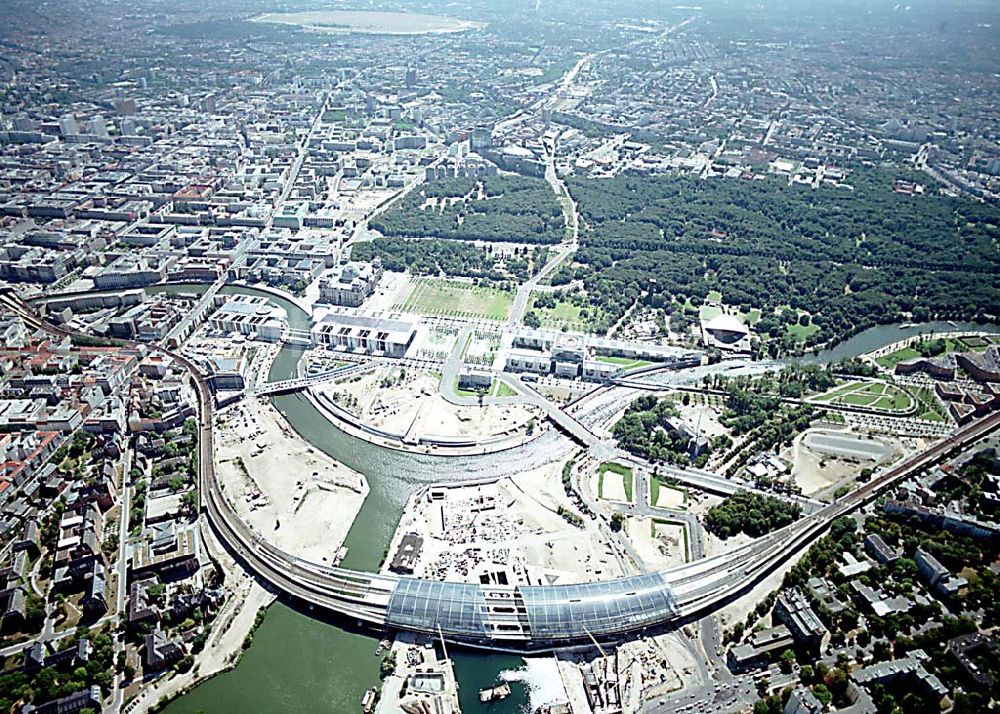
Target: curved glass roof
<point x="568" y="611"/>
<point x="458" y="609"/>
<point x="554" y="612"/>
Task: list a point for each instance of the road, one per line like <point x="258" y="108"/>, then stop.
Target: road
<point x="121" y="574"/>
<point x="557" y="254"/>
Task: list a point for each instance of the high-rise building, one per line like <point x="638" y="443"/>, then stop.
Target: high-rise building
<point x="68" y="125"/>
<point x="411" y="77"/>
<point x="98" y="127"/>
<point x="482" y="137"/>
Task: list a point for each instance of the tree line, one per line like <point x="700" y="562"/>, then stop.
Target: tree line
<point x="851" y="259"/>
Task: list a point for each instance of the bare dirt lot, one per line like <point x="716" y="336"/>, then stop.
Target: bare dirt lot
<point x="295" y="496"/>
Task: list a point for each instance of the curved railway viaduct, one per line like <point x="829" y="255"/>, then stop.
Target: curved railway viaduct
<point x="522" y="617"/>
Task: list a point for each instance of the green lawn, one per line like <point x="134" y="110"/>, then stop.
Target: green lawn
<point x="877" y="395"/>
<point x="708" y="312"/>
<point x="624" y="471"/>
<point x="500" y="389"/>
<point x="430" y="296"/>
<point x="972" y="343"/>
<point x="654" y="490"/>
<point x="891" y="360"/>
<point x="497" y="389"/>
<point x="626" y="362"/>
<point x="713" y="296"/>
<point x="564" y="314"/>
<point x="802" y="332"/>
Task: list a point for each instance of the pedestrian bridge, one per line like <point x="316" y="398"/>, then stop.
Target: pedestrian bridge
<point x="294" y="385"/>
<point x="297" y="337"/>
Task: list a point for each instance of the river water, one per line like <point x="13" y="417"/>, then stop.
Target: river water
<point x="303" y="661"/>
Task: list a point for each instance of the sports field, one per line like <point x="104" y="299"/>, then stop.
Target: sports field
<point x="430" y="296"/>
<point x="877" y="395"/>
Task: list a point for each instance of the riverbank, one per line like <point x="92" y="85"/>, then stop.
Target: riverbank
<point x="245" y="597"/>
<point x="296" y="497"/>
<point x="432" y="446"/>
<point x="308" y="661"/>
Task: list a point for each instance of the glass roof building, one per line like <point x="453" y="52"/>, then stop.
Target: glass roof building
<point x="457" y="609"/>
<point x="536" y="613"/>
<point x="573" y="611"/>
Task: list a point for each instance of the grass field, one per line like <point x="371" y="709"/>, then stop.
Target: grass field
<point x="708" y="312"/>
<point x="564" y="314"/>
<point x="802" y="332"/>
<point x="654" y="490"/>
<point x="626" y="362"/>
<point x="499" y="389"/>
<point x="971" y="343"/>
<point x="893" y="358"/>
<point x="624" y="471"/>
<point x="430" y="296"/>
<point x="877" y="395"/>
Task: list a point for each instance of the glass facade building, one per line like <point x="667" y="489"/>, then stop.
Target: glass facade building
<point x="534" y="613"/>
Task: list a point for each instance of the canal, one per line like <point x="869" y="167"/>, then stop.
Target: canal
<point x="308" y="662"/>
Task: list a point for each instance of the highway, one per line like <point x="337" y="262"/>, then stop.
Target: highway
<point x="513" y="617"/>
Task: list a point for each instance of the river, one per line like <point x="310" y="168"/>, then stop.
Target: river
<point x="304" y="661"/>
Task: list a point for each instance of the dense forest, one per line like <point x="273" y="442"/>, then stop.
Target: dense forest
<point x="451" y="258"/>
<point x="752" y="513"/>
<point x="851" y="258"/>
<point x="512" y="209"/>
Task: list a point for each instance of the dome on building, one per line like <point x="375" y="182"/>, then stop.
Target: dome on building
<point x="726" y="328"/>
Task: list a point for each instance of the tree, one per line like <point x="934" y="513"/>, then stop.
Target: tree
<point x="752" y="513"/>
<point x="387" y="667"/>
<point x="787" y="661"/>
<point x="822" y="693"/>
<point x="806" y="673"/>
<point x="157" y="592"/>
<point x="189" y="501"/>
<point x="617" y="521"/>
<point x="882" y="651"/>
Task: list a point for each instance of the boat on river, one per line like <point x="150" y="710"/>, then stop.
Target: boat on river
<point x="494" y="694"/>
<point x="368" y="701"/>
